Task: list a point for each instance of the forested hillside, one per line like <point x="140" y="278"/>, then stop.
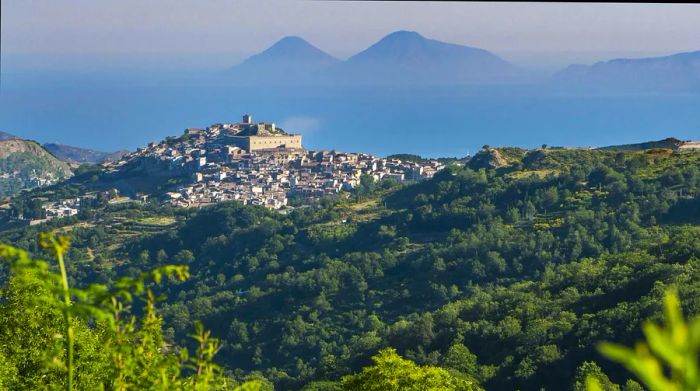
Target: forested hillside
<point x="508" y="275"/>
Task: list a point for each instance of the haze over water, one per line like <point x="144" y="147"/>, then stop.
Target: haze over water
<point x="117" y="111"/>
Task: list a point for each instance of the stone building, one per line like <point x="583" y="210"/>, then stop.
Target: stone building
<point x="256" y="143"/>
<point x="252" y="136"/>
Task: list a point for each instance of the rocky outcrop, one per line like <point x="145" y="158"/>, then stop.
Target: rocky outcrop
<point x="487" y="158"/>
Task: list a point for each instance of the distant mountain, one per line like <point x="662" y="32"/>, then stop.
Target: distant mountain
<point x="667" y="143"/>
<point x="289" y="60"/>
<point x="25" y="164"/>
<point x="407" y="57"/>
<point x="679" y="72"/>
<point x="77" y="155"/>
<point x="402" y="57"/>
<point x="7" y="136"/>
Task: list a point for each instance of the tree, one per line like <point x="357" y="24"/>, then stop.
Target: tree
<point x="459" y="357"/>
<point x="390" y="372"/>
<point x="183" y="257"/>
<point x="550" y="197"/>
<point x="529" y="210"/>
<point x="591" y="369"/>
<point x="632" y="385"/>
<point x="161" y="256"/>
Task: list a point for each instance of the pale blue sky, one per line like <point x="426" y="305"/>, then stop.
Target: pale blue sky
<point x="216" y="33"/>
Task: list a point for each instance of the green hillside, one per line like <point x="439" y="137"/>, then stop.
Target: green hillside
<point x="667" y="143"/>
<point x="25" y="164"/>
<point x="507" y="275"/>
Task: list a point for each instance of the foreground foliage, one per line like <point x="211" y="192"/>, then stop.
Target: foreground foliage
<point x="53" y="336"/>
<point x="670" y="349"/>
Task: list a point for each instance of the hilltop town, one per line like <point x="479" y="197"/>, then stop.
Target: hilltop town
<point x="256" y="163"/>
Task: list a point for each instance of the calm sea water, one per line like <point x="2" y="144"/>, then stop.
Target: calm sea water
<point x="111" y="112"/>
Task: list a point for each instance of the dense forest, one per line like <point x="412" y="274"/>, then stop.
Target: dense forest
<point x="506" y="275"/>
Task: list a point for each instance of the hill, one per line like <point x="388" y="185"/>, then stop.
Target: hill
<point x="289" y="60"/>
<point x="25" y="164"/>
<point x="678" y="72"/>
<point x="495" y="157"/>
<point x="509" y="274"/>
<point x="667" y="143"/>
<point x="77" y="155"/>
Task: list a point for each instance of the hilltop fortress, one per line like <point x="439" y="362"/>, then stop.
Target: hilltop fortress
<point x="251" y="136"/>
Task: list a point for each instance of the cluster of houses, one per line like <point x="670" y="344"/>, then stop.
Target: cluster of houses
<point x="35" y="179"/>
<point x="52" y="210"/>
<point x="257" y="164"/>
<point x="63" y="208"/>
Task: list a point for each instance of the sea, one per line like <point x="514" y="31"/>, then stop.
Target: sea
<point x="114" y="111"/>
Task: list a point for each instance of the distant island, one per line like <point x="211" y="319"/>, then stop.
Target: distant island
<point x="678" y="72"/>
<point x="408" y="58"/>
<point x="402" y="57"/>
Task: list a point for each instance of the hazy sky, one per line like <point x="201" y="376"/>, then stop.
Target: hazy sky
<point x="214" y="33"/>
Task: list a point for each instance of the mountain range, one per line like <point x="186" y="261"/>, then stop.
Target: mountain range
<point x="678" y="72"/>
<point x="399" y="58"/>
<point x="77" y="155"/>
<point x="408" y="58"/>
